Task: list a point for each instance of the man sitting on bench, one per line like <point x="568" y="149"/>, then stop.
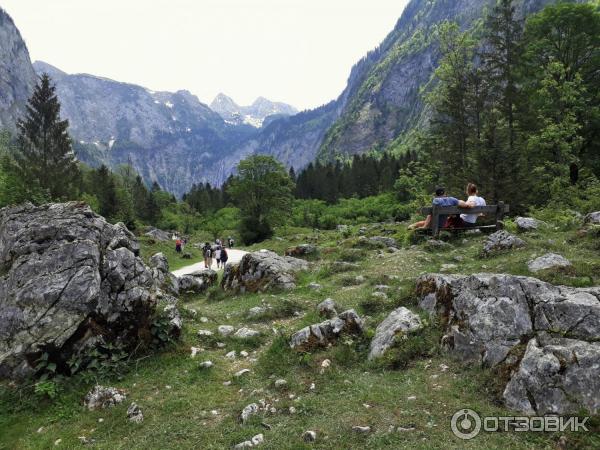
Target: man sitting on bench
<point x="442" y="200"/>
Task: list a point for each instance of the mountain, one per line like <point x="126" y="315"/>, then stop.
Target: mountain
<point x="254" y="115"/>
<point x="170" y="138"/>
<point x="17" y="76"/>
<point x="176" y="140"/>
<point x="384" y="102"/>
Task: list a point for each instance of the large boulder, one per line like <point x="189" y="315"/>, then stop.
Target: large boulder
<point x="327" y="332"/>
<point x="384" y="241"/>
<point x="302" y="250"/>
<point x="548" y="261"/>
<point x="399" y="323"/>
<point x="159" y="235"/>
<point x="528" y="223"/>
<point x="68" y="279"/>
<point x="592" y="218"/>
<point x="197" y="282"/>
<point x="261" y="271"/>
<point x="500" y="241"/>
<point x="488" y="319"/>
<point x="163" y="279"/>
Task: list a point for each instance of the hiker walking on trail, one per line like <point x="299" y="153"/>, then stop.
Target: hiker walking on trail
<point x="207" y="251"/>
<point x="178" y="245"/>
<point x="230" y="242"/>
<point x="224" y="257"/>
<point x="218" y="253"/>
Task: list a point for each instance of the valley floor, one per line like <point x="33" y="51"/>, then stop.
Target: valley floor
<point x="407" y="398"/>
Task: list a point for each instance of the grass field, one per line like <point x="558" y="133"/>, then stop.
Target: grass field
<point x="416" y="386"/>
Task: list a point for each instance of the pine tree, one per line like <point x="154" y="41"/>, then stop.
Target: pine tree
<point x="45" y="156"/>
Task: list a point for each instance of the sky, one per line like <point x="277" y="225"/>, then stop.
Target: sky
<point x="296" y="51"/>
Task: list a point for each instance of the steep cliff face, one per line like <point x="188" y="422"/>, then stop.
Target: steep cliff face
<point x="17" y="77"/>
<point x="170" y="138"/>
<point x="383" y="94"/>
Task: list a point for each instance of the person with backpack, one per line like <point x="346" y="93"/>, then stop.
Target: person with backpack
<point x="207" y="251"/>
<point x="218" y="256"/>
<point x="224" y="257"/>
<point x="230" y="242"/>
<point x="178" y="245"/>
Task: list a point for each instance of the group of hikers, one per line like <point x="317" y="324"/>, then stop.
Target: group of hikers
<point x="454" y="221"/>
<point x="216" y="251"/>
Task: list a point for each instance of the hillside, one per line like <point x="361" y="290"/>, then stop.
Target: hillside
<point x="406" y="399"/>
<point x="385" y="99"/>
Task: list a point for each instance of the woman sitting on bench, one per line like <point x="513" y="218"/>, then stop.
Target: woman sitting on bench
<point x="467" y="220"/>
<point x="442" y="200"/>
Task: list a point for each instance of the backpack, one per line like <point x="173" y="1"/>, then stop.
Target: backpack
<point x="224" y="255"/>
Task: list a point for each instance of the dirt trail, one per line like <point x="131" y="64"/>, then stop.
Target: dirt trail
<point x="234" y="257"/>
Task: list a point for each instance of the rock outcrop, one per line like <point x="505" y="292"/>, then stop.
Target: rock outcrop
<point x="68" y="280"/>
<point x="545" y="336"/>
<point x="321" y="334"/>
<point x="261" y="271"/>
<point x="399" y="323"/>
<point x="197" y="282"/>
<point x="163" y="279"/>
<point x="302" y="250"/>
<point x="528" y="223"/>
<point x="592" y="218"/>
<point x="159" y="235"/>
<point x="500" y="241"/>
<point x="549" y="261"/>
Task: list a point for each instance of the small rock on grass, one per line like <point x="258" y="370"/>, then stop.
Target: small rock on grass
<point x="134" y="413"/>
<point x="246" y="333"/>
<point x="254" y="442"/>
<point x="280" y="382"/>
<point x="206" y="364"/>
<point x="361" y="429"/>
<point x="248" y="412"/>
<point x="225" y="330"/>
<point x="309" y="436"/>
<point x="241" y="372"/>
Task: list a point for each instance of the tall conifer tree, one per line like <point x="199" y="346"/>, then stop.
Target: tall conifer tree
<point x="45" y="156"/>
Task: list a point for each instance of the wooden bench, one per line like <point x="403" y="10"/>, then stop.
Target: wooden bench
<point x="496" y="211"/>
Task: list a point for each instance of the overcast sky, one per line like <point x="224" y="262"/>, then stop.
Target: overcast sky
<point x="296" y="51"/>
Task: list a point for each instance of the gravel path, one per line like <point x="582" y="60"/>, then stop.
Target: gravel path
<point x="234" y="257"/>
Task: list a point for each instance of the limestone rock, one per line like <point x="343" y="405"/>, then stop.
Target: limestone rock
<point x="261" y="271"/>
<point x="592" y="218"/>
<point x="248" y="412"/>
<point x="487" y="318"/>
<point x="159" y="235"/>
<point x="302" y="250"/>
<point x="68" y="280"/>
<point x="246" y="333"/>
<point x="103" y="397"/>
<point x="134" y="413"/>
<point x="225" y="330"/>
<point x="197" y="282"/>
<point x="528" y="223"/>
<point x="384" y="241"/>
<point x="321" y="334"/>
<point x="548" y="261"/>
<point x="309" y="436"/>
<point x="501" y="240"/>
<point x="327" y="308"/>
<point x="400" y="322"/>
<point x="556" y="376"/>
